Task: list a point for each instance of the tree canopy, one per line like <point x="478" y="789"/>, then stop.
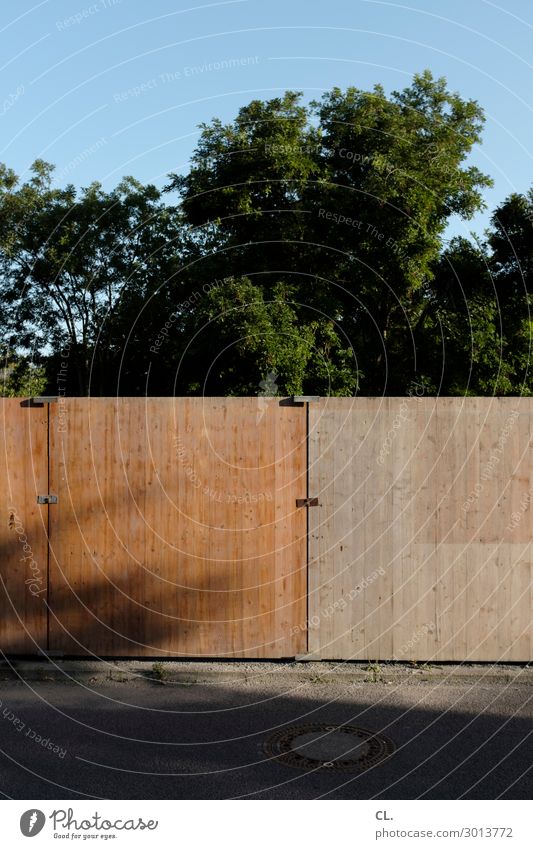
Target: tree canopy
<point x="305" y="242"/>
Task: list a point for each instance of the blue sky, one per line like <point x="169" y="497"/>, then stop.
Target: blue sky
<point x="115" y="87"/>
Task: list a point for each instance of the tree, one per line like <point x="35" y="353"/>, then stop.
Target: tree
<point x="21" y="378"/>
<point x="306" y="254"/>
<point x="458" y="337"/>
<point x="343" y="203"/>
<point x="77" y="269"/>
<point x="510" y="239"/>
<point x="473" y="335"/>
<point x="238" y="339"/>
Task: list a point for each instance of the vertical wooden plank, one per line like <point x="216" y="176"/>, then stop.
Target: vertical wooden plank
<point x="290" y="530"/>
<point x="315" y="550"/>
<point x="336" y="621"/>
<point x="520" y="647"/>
<point x="414" y="500"/>
<point x="23" y="535"/>
<point x="268" y="446"/>
<point x="459" y="610"/>
<point x="426" y="626"/>
<point x="449" y="440"/>
<point x="385" y="524"/>
<point x="188" y="525"/>
<point x="219" y="574"/>
<point x="317" y="488"/>
<point x="364" y="478"/>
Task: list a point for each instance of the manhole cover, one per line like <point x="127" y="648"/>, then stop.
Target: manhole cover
<point x="320" y="746"/>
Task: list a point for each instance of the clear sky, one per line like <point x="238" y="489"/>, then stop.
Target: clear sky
<point x="115" y="87"/>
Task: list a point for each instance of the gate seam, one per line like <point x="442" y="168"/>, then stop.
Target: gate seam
<point x="48" y="532"/>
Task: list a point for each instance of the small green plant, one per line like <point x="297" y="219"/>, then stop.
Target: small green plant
<point x="159" y="671"/>
<point x="375" y="670"/>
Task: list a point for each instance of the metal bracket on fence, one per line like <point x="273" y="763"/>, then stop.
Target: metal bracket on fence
<point x="298" y="400"/>
<point x="39" y="401"/>
<point x="307" y="502"/>
<point x="47" y="499"/>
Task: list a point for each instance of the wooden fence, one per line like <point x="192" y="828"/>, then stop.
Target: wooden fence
<point x="175" y="531"/>
<point x="180" y="528"/>
<point x="421" y="548"/>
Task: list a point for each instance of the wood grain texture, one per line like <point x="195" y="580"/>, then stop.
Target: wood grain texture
<point x="177" y="531"/>
<point x="424" y="528"/>
<point x="23" y="540"/>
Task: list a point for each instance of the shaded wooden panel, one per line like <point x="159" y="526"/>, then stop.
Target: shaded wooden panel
<point x="23" y="540"/>
<point x="421" y="548"/>
<point x="177" y="530"/>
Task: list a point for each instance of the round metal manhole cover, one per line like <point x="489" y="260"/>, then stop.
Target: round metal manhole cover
<point x="328" y="747"/>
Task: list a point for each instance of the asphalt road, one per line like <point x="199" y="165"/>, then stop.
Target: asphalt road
<point x="144" y="740"/>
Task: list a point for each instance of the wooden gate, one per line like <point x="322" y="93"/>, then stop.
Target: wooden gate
<point x="176" y="530"/>
<point x="422" y="546"/>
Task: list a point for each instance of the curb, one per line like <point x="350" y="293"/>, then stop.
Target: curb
<point x="188" y="673"/>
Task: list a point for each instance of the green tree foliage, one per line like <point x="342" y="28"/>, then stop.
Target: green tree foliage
<point x="474" y="332"/>
<point x="458" y="336"/>
<point x="21" y="378"/>
<point x="510" y="241"/>
<point x="305" y="253"/>
<point x="252" y="337"/>
<point x="77" y="269"/>
<point x="342" y="203"/>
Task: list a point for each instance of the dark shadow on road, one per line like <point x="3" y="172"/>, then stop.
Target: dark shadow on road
<point x="136" y="741"/>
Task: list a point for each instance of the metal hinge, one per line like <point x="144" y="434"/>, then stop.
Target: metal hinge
<point x="298" y="400"/>
<point x="307" y="502"/>
<point x="47" y="499"/>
